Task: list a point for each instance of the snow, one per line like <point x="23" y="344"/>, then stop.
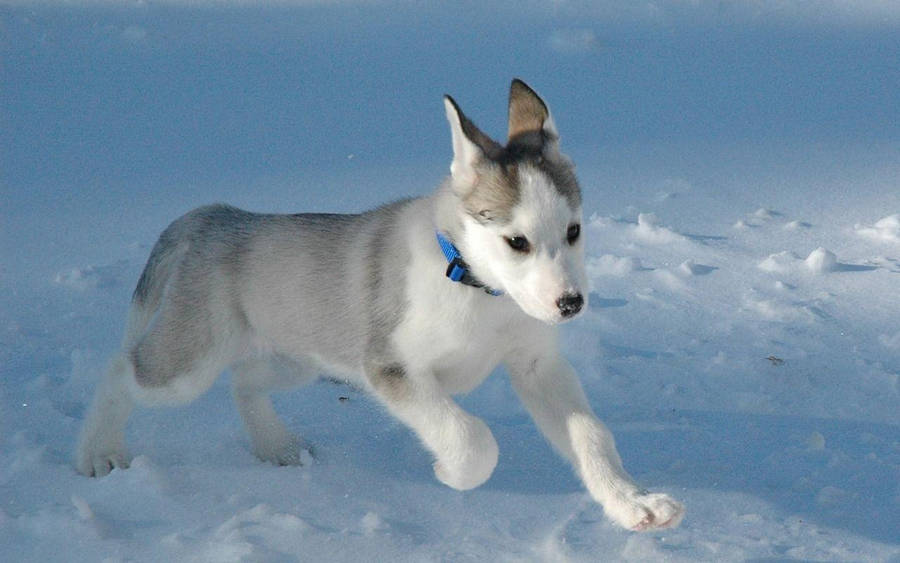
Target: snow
<point x="740" y="169"/>
<point x="821" y="261"/>
<point x="886" y="229"/>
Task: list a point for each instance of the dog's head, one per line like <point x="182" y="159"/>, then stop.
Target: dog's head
<point x="520" y="207"/>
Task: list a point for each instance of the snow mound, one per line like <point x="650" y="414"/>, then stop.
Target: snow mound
<point x="691" y="268"/>
<point x="779" y="263"/>
<point x="764" y="214"/>
<point x="610" y="265"/>
<point x="92" y="277"/>
<point x="256" y="533"/>
<point x="756" y="219"/>
<point x="796" y="225"/>
<point x="778" y="310"/>
<point x="886" y="229"/>
<point x="371" y="523"/>
<point x="821" y="261"/>
<point x="648" y="230"/>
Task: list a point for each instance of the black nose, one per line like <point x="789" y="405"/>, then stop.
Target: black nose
<point x="570" y="304"/>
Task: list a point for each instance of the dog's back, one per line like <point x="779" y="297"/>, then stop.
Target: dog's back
<point x="222" y="282"/>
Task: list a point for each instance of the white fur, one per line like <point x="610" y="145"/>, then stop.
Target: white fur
<point x="553" y="267"/>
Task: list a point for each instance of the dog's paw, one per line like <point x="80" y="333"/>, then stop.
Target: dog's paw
<point x="291" y="450"/>
<point x="642" y="511"/>
<point x="101" y="464"/>
<point x="472" y="462"/>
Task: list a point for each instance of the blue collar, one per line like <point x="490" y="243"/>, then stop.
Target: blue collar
<point x="458" y="270"/>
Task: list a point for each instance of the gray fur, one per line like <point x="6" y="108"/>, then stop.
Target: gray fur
<point x="497" y="191"/>
<point x="386" y="301"/>
<point x="210" y="259"/>
<point x="495" y="195"/>
<point x="562" y="174"/>
<point x="389" y="380"/>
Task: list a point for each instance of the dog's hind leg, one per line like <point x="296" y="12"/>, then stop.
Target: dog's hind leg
<point x="167" y="359"/>
<point x="252" y="381"/>
<point x="101" y="445"/>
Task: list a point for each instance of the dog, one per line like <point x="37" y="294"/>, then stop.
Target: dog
<point x="414" y="301"/>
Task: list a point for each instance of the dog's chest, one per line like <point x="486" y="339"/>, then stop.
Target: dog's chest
<point x="460" y="348"/>
<point x="465" y="363"/>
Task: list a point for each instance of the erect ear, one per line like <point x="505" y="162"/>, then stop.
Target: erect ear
<point x="470" y="145"/>
<point x="529" y="118"/>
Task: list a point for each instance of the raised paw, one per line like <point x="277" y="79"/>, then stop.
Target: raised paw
<point x="472" y="461"/>
<point x="643" y="511"/>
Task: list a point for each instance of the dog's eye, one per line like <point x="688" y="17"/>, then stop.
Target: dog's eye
<point x="573" y="233"/>
<point x="518" y="243"/>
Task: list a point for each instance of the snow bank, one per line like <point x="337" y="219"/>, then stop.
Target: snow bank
<point x="885" y="230"/>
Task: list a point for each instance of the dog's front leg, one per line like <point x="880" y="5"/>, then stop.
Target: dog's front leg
<point x="551" y="392"/>
<point x="465" y="450"/>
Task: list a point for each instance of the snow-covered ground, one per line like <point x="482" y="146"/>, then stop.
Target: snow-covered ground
<point x="741" y="169"/>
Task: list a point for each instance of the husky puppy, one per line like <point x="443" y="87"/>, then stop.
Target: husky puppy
<point x="415" y="301"/>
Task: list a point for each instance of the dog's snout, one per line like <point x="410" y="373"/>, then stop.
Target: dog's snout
<point x="570" y="303"/>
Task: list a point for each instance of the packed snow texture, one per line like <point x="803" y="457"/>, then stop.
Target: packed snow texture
<point x="740" y="169"/>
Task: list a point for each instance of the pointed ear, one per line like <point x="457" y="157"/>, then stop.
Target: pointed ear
<point x="470" y="145"/>
<point x="528" y="114"/>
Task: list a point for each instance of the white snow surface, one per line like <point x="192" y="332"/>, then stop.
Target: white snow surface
<point x="741" y="181"/>
<point x="886" y="229"/>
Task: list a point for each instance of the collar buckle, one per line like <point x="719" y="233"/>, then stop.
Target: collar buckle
<point x="458" y="270"/>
